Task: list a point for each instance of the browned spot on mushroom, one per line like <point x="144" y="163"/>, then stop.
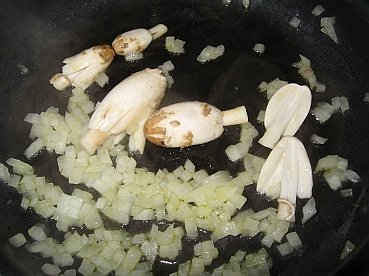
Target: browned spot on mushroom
<point x="105" y="52"/>
<point x="206" y="109"/>
<point x="187" y="139"/>
<point x="153" y="133"/>
<point x="121" y="43"/>
<point x="174" y="123"/>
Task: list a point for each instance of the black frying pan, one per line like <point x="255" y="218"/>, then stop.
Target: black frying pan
<point x="40" y="34"/>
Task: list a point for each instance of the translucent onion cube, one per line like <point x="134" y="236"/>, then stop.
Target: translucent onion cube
<point x="17" y="240"/>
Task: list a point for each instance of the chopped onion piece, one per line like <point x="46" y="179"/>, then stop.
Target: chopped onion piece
<point x="210" y="53"/>
<point x="271" y="87"/>
<point x="4" y="173"/>
<point x="344" y="104"/>
<point x="37" y="233"/>
<point x="285" y="249"/>
<point x="295" y="22"/>
<point x="134" y="56"/>
<point x="17" y="240"/>
<point x="23" y="69"/>
<point x="366" y="98"/>
<point x="246" y="4"/>
<point x="346" y="193"/>
<point x="261" y="116"/>
<point x="102" y="79"/>
<point x="318" y="10"/>
<point x="349" y="247"/>
<point x="294" y="240"/>
<point x="50" y="269"/>
<point x="320" y="87"/>
<point x="352" y="176"/>
<point x="226" y="2"/>
<point x="309" y="210"/>
<point x="316" y="139"/>
<point x="259" y="48"/>
<point x="327" y="27"/>
<point x="173" y="45"/>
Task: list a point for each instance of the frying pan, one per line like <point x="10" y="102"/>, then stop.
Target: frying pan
<point x="39" y="34"/>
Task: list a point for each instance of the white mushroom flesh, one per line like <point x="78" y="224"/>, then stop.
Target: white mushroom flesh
<point x="189" y="123"/>
<point x="133" y="42"/>
<point x="286" y="174"/>
<point x="285" y="113"/>
<point x="132" y="100"/>
<point x="83" y="69"/>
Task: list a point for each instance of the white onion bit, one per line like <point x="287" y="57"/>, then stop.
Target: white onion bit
<point x="309" y="210"/>
<point x="316" y="139"/>
<point x="346" y="193"/>
<point x="259" y="48"/>
<point x="210" y="53"/>
<point x="349" y="247"/>
<point x="295" y="22"/>
<point x="366" y="98"/>
<point x="318" y="10"/>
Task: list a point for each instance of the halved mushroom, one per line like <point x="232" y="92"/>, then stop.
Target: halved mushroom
<point x="130" y="102"/>
<point x="131" y="44"/>
<point x="286" y="174"/>
<point x="190" y="123"/>
<point x="83" y="69"/>
<point x="285" y="113"/>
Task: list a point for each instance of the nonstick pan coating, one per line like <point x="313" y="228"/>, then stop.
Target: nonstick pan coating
<point x="40" y="34"/>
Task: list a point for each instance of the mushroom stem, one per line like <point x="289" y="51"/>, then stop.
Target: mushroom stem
<point x="93" y="139"/>
<point x="286" y="210"/>
<point x="235" y="116"/>
<point x="158" y="30"/>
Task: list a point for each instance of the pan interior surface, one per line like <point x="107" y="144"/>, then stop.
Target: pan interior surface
<point x="40" y="34"/>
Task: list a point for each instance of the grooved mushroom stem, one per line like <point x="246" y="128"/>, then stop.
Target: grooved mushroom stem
<point x="235" y="116"/>
<point x="158" y="30"/>
<point x="93" y="139"/>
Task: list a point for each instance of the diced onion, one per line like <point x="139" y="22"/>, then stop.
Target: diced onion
<point x="318" y="10"/>
<point x="271" y="87"/>
<point x="102" y="79"/>
<point x="246" y="4"/>
<point x="346" y="193"/>
<point x="285" y="249"/>
<point x="344" y="104"/>
<point x="259" y="48"/>
<point x="23" y="69"/>
<point x="347" y="250"/>
<point x="327" y="27"/>
<point x="134" y="56"/>
<point x="50" y="269"/>
<point x="173" y="45"/>
<point x="309" y="210"/>
<point x="320" y="87"/>
<point x="352" y="176"/>
<point x="17" y="240"/>
<point x="37" y="233"/>
<point x="294" y="240"/>
<point x="295" y="22"/>
<point x="316" y="139"/>
<point x="261" y="116"/>
<point x="210" y="53"/>
<point x="366" y="98"/>
<point x="4" y="173"/>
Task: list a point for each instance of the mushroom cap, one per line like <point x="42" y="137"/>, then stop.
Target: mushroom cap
<point x="184" y="124"/>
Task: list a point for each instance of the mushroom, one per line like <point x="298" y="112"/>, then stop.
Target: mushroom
<point x="131" y="44"/>
<point x="83" y="69"/>
<point x="128" y="104"/>
<point x="286" y="174"/>
<point x="190" y="123"/>
<point x="285" y="113"/>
